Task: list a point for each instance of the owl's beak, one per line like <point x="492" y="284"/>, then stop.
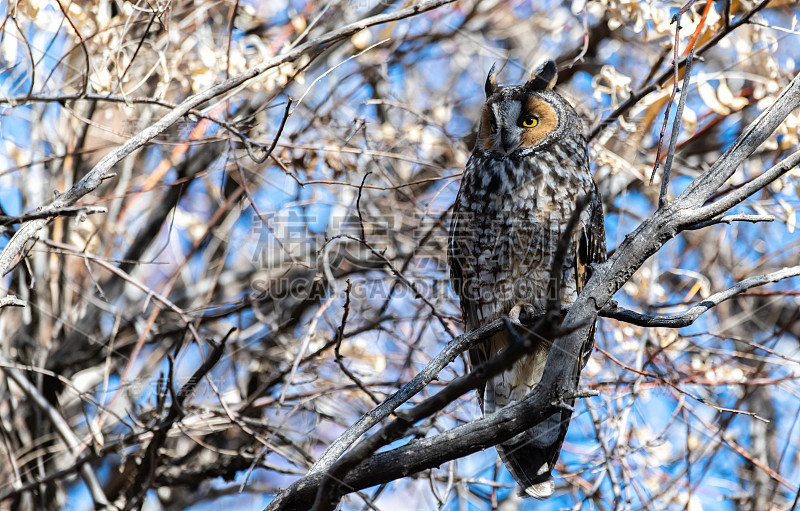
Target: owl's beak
<point x="507" y="141"/>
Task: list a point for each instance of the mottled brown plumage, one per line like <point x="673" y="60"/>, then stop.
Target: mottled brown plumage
<point x="519" y="189"/>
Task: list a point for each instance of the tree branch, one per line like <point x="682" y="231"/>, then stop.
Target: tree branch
<point x="748" y="189"/>
<point x="431" y="372"/>
<point x="759" y="130"/>
<point x="676" y="125"/>
<point x="431" y="452"/>
<point x="67" y="211"/>
<point x="11" y="301"/>
<point x="690" y="316"/>
<point x="728" y="219"/>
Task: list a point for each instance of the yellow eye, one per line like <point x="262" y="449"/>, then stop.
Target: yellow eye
<point x="530" y="122"/>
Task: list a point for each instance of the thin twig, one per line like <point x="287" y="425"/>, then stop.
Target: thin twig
<point x="142" y="39"/>
<point x="268" y="152"/>
<point x="358" y="206"/>
<point x="345" y="313"/>
<point x="338" y="356"/>
<point x="67" y="211"/>
<point x="399" y="274"/>
<point x="675" y="47"/>
<point x="728" y="219"/>
<point x="676" y="128"/>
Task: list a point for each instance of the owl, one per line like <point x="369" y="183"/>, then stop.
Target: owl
<point x="520" y="186"/>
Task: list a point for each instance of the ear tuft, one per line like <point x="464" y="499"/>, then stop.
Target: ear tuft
<point x="491" y="82"/>
<point x="544" y="78"/>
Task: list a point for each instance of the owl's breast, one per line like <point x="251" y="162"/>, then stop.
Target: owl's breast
<point x="511" y="216"/>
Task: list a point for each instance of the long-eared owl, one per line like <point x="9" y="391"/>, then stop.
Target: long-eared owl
<point x="520" y="187"/>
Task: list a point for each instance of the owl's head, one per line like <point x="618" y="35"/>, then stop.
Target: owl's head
<point x="517" y="120"/>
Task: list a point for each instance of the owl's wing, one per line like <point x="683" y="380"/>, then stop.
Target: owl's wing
<point x="591" y="249"/>
<point x="455" y="253"/>
<point x="458" y="249"/>
<point x="592" y="245"/>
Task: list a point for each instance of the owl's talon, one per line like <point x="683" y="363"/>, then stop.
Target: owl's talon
<point x="524" y="313"/>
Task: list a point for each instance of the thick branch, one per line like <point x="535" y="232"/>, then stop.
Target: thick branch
<point x="431" y="372"/>
<point x="431" y="452"/>
<point x="456" y="388"/>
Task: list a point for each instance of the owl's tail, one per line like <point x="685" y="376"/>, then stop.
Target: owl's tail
<point x="531" y="455"/>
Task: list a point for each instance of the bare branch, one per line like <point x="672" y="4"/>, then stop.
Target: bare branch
<point x="431" y="372"/>
<point x="690" y="316"/>
<point x="268" y="152"/>
<point x="676" y="128"/>
<point x="759" y="130"/>
<point x="431" y="452"/>
<point x="742" y="193"/>
<point x="66" y="211"/>
<point x="728" y="219"/>
<point x="11" y="301"/>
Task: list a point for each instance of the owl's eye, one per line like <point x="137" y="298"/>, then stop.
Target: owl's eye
<point x="492" y="127"/>
<point x="530" y="121"/>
